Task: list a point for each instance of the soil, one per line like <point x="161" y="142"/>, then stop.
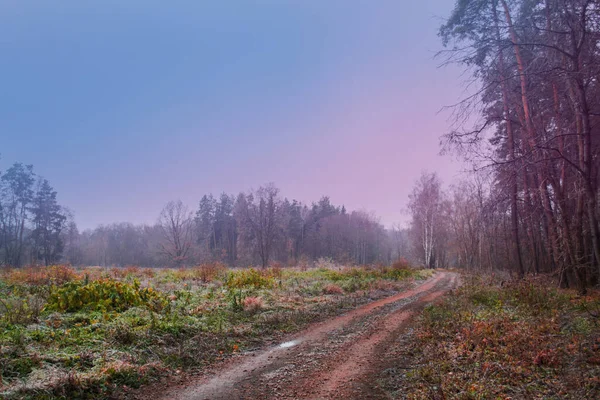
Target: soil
<point x="338" y="359"/>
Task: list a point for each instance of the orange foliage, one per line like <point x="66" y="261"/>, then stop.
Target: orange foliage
<point x="40" y="276"/>
<point x="252" y="304"/>
<point x="208" y="272"/>
<point x="401" y="263"/>
<point x="332" y="289"/>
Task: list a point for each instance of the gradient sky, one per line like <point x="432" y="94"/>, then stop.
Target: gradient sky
<point x="125" y="105"/>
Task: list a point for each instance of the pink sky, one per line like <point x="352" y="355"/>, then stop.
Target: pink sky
<point x="125" y="106"/>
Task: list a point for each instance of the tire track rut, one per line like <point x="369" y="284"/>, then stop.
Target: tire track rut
<point x="329" y="360"/>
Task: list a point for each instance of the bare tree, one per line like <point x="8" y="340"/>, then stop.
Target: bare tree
<point x="427" y="206"/>
<point x="175" y="222"/>
<point x="261" y="212"/>
<point x="537" y="64"/>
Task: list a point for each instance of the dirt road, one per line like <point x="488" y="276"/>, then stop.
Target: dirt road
<point x="336" y="359"/>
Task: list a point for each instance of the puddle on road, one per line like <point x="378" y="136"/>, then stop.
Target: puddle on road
<point x="288" y="344"/>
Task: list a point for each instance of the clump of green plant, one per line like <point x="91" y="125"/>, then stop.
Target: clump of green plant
<point x="247" y="278"/>
<point x="105" y="295"/>
<point x="236" y="299"/>
<point x="17" y="366"/>
<point x="21" y="310"/>
<point x="397" y="274"/>
<point x="355" y="283"/>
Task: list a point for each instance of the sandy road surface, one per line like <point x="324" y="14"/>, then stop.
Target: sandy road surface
<point x="336" y="359"/>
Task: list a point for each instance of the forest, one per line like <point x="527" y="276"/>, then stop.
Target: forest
<point x="255" y="228"/>
<point x="531" y="132"/>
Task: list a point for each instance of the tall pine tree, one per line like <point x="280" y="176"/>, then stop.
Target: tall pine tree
<point x="48" y="222"/>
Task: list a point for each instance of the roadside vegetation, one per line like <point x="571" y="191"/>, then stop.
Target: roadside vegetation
<point x="521" y="340"/>
<point x="99" y="332"/>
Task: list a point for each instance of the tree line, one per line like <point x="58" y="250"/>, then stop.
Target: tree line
<point x="532" y="206"/>
<point x="254" y="228"/>
<point x="260" y="226"/>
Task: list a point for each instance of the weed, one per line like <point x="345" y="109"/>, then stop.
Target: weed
<point x="332" y="289"/>
<point x="42" y="276"/>
<point x="247" y="278"/>
<point x="252" y="304"/>
<point x="105" y="295"/>
<point x="401" y="264"/>
<point x="236" y="298"/>
<point x="521" y="340"/>
<point x="21" y="310"/>
<point x="208" y="272"/>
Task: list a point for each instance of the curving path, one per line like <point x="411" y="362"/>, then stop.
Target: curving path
<point x="336" y="359"/>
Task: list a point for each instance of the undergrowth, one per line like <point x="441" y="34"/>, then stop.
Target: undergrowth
<point x="102" y="332"/>
<point x="522" y="340"/>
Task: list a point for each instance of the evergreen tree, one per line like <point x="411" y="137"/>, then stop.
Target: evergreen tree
<point x="16" y="194"/>
<point x="48" y="222"/>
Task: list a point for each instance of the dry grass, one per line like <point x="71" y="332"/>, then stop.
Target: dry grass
<point x="522" y="340"/>
<point x="332" y="288"/>
<point x="253" y="304"/>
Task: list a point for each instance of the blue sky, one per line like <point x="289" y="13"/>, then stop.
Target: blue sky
<point x="125" y="105"/>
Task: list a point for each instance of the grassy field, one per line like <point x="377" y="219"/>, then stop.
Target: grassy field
<point x="99" y="333"/>
<point x="522" y="340"/>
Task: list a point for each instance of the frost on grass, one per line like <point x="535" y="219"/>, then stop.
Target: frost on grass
<point x="96" y="332"/>
<point x="520" y="340"/>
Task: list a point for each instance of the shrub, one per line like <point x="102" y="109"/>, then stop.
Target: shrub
<point x="397" y="274"/>
<point x="353" y="284"/>
<point x="208" y="272"/>
<point x="248" y="278"/>
<point x="384" y="285"/>
<point x="122" y="334"/>
<point x="148" y="272"/>
<point x="481" y="295"/>
<point x="105" y="295"/>
<point x="252" y="304"/>
<point x="401" y="263"/>
<point x="121" y="273"/>
<point x="276" y="270"/>
<point x="331" y="275"/>
<point x="533" y="295"/>
<point x="43" y="276"/>
<point x="332" y="289"/>
<point x="19" y="310"/>
<point x="314" y="289"/>
<point x="123" y="373"/>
